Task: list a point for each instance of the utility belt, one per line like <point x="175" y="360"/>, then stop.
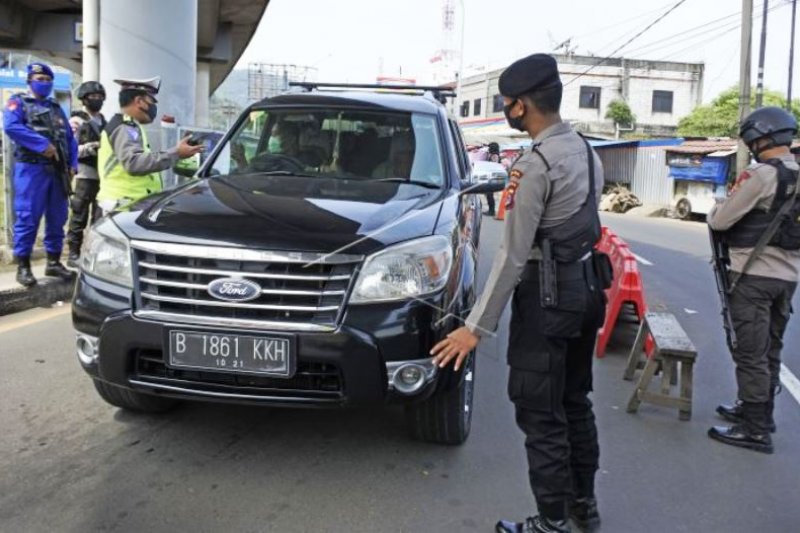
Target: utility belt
<point x="594" y="267"/>
<point x="32" y="159"/>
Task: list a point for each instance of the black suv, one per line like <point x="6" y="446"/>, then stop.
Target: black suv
<point x="327" y="243"/>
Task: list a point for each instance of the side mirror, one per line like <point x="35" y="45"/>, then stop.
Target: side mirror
<point x="187" y="167"/>
<point x="481" y="188"/>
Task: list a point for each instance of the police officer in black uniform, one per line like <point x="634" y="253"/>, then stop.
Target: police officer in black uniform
<point x="87" y="181"/>
<point x="546" y="260"/>
<point x="760" y="221"/>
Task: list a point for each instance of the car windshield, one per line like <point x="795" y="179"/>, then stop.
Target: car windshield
<point x="335" y="143"/>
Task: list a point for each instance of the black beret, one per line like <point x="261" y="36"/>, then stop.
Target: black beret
<point x="537" y="71"/>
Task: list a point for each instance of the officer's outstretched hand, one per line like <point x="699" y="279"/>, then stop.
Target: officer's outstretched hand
<point x="457" y="345"/>
<point x="187" y="150"/>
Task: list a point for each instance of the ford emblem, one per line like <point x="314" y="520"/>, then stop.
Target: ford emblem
<point x="234" y="289"/>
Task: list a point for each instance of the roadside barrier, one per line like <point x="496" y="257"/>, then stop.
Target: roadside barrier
<point x="627" y="287"/>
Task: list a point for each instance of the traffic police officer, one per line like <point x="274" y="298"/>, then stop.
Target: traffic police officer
<point x="37" y="125"/>
<point x="129" y="170"/>
<point x="762" y="280"/>
<point x="87" y="181"/>
<point x="551" y="227"/>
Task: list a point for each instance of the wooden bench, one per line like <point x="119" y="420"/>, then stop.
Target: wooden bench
<point x="673" y="352"/>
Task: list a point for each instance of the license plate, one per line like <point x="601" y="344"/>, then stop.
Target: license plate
<point x="232" y="353"/>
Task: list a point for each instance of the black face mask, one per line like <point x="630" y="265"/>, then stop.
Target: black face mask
<point x="152" y="111"/>
<point x="93" y="105"/>
<point x="514" y="122"/>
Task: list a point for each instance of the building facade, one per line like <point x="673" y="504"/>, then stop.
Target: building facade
<point x="659" y="93"/>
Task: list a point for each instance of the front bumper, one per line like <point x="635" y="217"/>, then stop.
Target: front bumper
<point x="358" y="363"/>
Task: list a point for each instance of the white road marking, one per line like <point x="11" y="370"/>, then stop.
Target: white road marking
<point x="790" y="382"/>
<point x="642" y="260"/>
<point x="689" y="311"/>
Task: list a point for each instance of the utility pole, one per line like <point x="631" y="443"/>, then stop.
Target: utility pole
<point x="743" y="154"/>
<point x="761" y="53"/>
<point x="791" y="60"/>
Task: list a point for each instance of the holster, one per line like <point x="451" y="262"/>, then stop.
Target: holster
<point x="548" y="281"/>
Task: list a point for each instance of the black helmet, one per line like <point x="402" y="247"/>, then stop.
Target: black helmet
<point x="90" y="87"/>
<point x="774" y="123"/>
<point x="494" y="148"/>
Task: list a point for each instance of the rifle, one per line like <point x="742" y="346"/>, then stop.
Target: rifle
<point x="721" y="261"/>
<point x="61" y="163"/>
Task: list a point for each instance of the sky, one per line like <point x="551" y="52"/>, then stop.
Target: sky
<point x="357" y="40"/>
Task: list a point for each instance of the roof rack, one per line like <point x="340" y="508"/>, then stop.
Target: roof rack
<point x="441" y="94"/>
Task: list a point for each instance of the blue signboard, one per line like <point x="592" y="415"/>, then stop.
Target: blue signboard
<point x="694" y="167"/>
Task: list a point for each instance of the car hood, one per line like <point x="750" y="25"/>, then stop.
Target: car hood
<point x="286" y="213"/>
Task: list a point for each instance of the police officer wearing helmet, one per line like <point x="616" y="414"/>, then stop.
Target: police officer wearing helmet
<point x="129" y="169"/>
<point x="763" y="279"/>
<point x="87" y="181"/>
<point x="37" y="125"/>
<point x="546" y="261"/>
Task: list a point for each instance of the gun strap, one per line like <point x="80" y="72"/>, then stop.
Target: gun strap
<point x="765" y="237"/>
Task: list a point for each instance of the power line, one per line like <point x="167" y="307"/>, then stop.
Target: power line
<point x="621" y="23"/>
<point x="700" y="31"/>
<point x="629" y="41"/>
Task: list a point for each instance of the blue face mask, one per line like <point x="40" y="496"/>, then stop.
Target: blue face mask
<point x="42" y="89"/>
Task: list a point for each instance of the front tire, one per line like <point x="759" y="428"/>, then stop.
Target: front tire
<point x="683" y="209"/>
<point x="445" y="417"/>
<point x="132" y="400"/>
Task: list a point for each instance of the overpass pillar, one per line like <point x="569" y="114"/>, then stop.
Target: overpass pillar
<point x="201" y="112"/>
<point x="149" y="38"/>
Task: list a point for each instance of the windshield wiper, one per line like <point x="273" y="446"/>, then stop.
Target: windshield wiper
<point x="425" y="184"/>
<point x="286" y="173"/>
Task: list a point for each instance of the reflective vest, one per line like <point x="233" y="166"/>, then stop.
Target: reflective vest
<point x="116" y="183"/>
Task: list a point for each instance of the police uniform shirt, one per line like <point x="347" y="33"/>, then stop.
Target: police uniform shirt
<point x="566" y="184"/>
<point x="127" y="144"/>
<point x="755" y="188"/>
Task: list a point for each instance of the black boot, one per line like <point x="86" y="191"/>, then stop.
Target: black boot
<point x="537" y="524"/>
<point x="25" y="275"/>
<point x="733" y="413"/>
<point x="74" y="258"/>
<point x="55" y="269"/>
<point x="752" y="433"/>
<point x="583" y="511"/>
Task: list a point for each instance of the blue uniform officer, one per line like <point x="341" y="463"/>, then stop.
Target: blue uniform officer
<point x="36" y="124"/>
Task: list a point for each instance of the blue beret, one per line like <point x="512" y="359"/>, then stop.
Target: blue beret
<point x="537" y="71"/>
<point x="40" y="68"/>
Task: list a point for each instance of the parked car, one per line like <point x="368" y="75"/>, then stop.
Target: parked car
<point x="326" y="245"/>
<point x="489" y="173"/>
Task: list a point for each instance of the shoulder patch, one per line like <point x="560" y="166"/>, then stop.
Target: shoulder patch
<point x="12" y="104"/>
<point x="511" y="192"/>
<point x="744" y="176"/>
<point x="515" y="175"/>
<point x="133" y="132"/>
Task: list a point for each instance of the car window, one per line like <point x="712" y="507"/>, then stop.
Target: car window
<point x="336" y="143"/>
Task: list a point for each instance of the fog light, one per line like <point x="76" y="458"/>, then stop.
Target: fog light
<point x="86" y="348"/>
<point x="409" y="378"/>
<point x="409" y="375"/>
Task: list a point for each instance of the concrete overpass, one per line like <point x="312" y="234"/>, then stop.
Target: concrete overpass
<point x="192" y="44"/>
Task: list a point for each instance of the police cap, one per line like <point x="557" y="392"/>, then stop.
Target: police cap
<point x="149" y="86"/>
<point x="39" y="68"/>
<point x="535" y="72"/>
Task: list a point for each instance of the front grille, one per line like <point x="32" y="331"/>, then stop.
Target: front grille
<point x="297" y="290"/>
<point x="320" y="381"/>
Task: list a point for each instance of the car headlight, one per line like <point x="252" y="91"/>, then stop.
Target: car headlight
<point x="407" y="270"/>
<point x="107" y="254"/>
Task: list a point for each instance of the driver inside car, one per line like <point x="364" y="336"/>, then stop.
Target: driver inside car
<point x="401" y="158"/>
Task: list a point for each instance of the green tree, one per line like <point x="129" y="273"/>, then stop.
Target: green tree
<point x="720" y="118"/>
<point x="620" y="112"/>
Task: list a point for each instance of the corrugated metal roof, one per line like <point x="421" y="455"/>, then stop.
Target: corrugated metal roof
<point x="705" y="147"/>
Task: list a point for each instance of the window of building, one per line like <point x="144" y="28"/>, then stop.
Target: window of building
<point x="590" y="97"/>
<point x="662" y="101"/>
<point x="464" y="112"/>
<point x="497" y="103"/>
<point x="476" y="107"/>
